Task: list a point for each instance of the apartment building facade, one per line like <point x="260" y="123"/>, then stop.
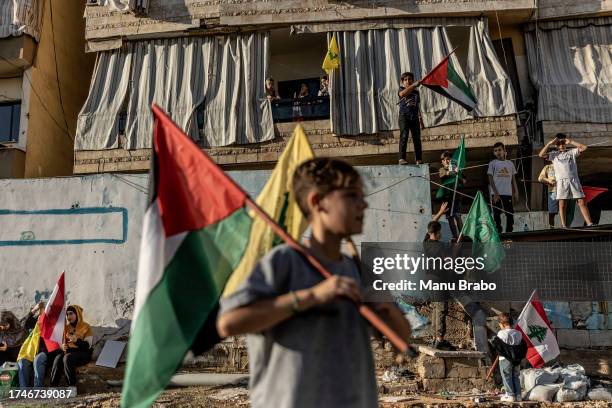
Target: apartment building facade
<point x="535" y="67"/>
<point x="44" y="77"/>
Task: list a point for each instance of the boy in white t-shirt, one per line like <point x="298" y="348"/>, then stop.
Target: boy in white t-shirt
<point x="502" y="187"/>
<point x="566" y="174"/>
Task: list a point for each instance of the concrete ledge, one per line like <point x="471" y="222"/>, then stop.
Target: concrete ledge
<point x="450" y="354"/>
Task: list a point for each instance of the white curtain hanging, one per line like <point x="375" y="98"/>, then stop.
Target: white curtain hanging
<point x="570" y="64"/>
<point x="224" y="76"/>
<point x="98" y="121"/>
<point x="172" y="74"/>
<point x="364" y="89"/>
<point x="486" y="76"/>
<point x="236" y="109"/>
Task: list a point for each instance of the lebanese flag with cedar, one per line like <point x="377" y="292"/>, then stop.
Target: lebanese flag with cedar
<point x="537" y="332"/>
<point x="445" y="80"/>
<point x="53" y="319"/>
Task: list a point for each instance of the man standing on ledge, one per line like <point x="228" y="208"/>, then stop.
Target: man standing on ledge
<point x="409" y="117"/>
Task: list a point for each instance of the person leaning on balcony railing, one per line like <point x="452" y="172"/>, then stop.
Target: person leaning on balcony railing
<point x="304" y="91"/>
<point x="324" y="86"/>
<point x="409" y="117"/>
<point x="271" y="93"/>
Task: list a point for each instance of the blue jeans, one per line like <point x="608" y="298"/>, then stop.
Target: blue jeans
<point x="510" y="377"/>
<point x="25" y="371"/>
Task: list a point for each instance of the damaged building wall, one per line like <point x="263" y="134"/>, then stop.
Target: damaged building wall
<point x="90" y="227"/>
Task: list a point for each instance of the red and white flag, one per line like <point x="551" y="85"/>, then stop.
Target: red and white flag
<point x="537" y="332"/>
<point x="53" y="320"/>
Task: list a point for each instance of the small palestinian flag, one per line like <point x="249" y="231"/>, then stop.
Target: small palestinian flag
<point x="445" y="80"/>
<point x="195" y="232"/>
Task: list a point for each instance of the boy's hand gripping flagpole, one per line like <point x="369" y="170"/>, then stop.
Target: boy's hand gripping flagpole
<point x="364" y="310"/>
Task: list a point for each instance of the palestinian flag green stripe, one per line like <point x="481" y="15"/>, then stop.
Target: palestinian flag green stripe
<point x="177" y="307"/>
<point x="461" y="89"/>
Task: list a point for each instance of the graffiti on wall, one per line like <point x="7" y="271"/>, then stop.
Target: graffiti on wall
<point x="73" y="226"/>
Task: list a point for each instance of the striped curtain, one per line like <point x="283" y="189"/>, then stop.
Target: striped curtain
<point x="570" y="64"/>
<point x="98" y="121"/>
<point x="236" y="109"/>
<point x="172" y="74"/>
<point x="224" y="75"/>
<point x="20" y="16"/>
<point x="364" y="89"/>
<point x="486" y="76"/>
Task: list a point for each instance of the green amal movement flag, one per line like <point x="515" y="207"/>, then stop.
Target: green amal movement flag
<point x="446" y="80"/>
<point x="457" y="164"/>
<point x="480" y="227"/>
<point x="195" y="232"/>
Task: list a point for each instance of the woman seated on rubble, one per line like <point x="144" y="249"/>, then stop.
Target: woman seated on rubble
<point x="76" y="350"/>
<point x="12" y="335"/>
<point x="34" y="353"/>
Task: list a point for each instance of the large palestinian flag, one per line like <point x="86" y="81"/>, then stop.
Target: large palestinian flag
<point x="195" y="232"/>
<point x="445" y="80"/>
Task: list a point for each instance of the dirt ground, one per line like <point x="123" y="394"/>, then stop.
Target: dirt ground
<point x="97" y="393"/>
<point x="237" y="396"/>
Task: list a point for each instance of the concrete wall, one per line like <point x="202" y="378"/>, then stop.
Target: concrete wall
<point x="55" y="224"/>
<point x="60" y="76"/>
<point x="90" y="228"/>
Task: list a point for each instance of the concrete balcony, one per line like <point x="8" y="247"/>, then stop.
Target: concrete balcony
<point x="379" y="148"/>
<point x="16" y="55"/>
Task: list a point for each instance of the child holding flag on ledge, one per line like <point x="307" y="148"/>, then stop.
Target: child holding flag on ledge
<point x="308" y="345"/>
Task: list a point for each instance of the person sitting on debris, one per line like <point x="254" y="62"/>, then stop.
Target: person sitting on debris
<point x="34" y="353"/>
<point x="12" y="335"/>
<point x="566" y="173"/>
<point x="453" y="212"/>
<point x="547" y="177"/>
<point x="512" y="349"/>
<point x="502" y="187"/>
<point x="77" y="348"/>
<point x="409" y="117"/>
<point x="308" y="345"/>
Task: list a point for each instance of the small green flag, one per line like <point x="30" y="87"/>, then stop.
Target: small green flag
<point x="457" y="164"/>
<point x="480" y="227"/>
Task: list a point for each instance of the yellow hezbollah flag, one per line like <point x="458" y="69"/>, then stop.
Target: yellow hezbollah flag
<point x="332" y="58"/>
<point x="29" y="348"/>
<point x="276" y="199"/>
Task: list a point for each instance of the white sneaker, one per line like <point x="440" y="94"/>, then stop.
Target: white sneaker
<point x="518" y="398"/>
<point x="507" y="398"/>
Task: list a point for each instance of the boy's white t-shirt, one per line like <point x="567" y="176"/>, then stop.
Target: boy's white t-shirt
<point x="502" y="172"/>
<point x="564" y="163"/>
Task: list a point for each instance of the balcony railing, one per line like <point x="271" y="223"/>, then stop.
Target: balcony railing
<point x="298" y="109"/>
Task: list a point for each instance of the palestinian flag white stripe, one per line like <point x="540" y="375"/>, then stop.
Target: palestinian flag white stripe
<point x="156" y="251"/>
<point x="538" y="333"/>
<point x="446" y="80"/>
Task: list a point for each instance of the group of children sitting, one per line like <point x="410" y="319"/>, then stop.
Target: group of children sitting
<point x="21" y="342"/>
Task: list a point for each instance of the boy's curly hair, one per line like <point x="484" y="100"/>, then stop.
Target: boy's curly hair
<point x="323" y="175"/>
